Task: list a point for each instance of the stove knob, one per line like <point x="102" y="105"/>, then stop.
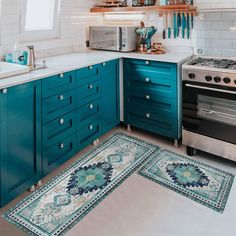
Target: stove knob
<point x="227" y="80"/>
<point x="217" y="79"/>
<point x="191" y="75"/>
<point x="208" y="78"/>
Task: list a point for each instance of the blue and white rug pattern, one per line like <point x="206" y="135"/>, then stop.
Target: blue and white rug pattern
<point x="61" y="203"/>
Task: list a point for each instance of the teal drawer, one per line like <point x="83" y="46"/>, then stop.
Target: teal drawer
<point x="88" y="113"/>
<point x="89" y="133"/>
<point x="165" y="106"/>
<point x="62" y="151"/>
<point x="145" y="69"/>
<point x="58" y="105"/>
<point x="153" y="122"/>
<point x="87" y="75"/>
<point x="58" y="129"/>
<point x="154" y="92"/>
<point x="58" y="83"/>
<point x="88" y="92"/>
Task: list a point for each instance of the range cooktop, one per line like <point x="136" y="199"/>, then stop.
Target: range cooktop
<point x="213" y="63"/>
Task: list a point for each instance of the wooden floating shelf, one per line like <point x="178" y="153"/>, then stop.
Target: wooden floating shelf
<point x="160" y="9"/>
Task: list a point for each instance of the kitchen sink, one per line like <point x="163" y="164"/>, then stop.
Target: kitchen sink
<point x="10" y="69"/>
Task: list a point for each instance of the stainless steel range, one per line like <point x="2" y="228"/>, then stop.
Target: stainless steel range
<point x="209" y="106"/>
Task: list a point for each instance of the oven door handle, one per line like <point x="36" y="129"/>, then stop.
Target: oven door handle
<point x="211" y="89"/>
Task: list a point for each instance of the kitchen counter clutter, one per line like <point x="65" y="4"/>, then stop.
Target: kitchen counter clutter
<point x="49" y="115"/>
<point x="68" y="62"/>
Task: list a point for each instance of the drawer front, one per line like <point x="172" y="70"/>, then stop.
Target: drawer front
<point x="58" y="129"/>
<point x="88" y="92"/>
<point x="153" y="92"/>
<point x="62" y="151"/>
<point x="87" y="75"/>
<point x="88" y="113"/>
<point x="165" y="106"/>
<point x="58" y="105"/>
<point x="144" y="69"/>
<point x="58" y="83"/>
<point x="153" y="122"/>
<point x="88" y="133"/>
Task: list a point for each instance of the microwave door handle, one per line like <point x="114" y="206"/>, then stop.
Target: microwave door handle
<point x="119" y="39"/>
<point x="210" y="89"/>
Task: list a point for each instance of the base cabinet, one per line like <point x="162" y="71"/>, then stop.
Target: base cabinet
<point x="152" y="97"/>
<point x="20" y="139"/>
<point x="110" y="95"/>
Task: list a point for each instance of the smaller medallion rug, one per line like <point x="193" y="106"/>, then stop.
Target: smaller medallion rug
<point x="199" y="182"/>
<point x="60" y="204"/>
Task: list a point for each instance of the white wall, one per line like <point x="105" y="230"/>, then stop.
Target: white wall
<point x="214" y="32"/>
<point x="75" y="18"/>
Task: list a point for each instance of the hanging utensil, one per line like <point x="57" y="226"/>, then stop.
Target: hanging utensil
<point x="188" y="26"/>
<point x="184" y="25"/>
<point x="169" y="25"/>
<point x="192" y="21"/>
<point x="179" y="23"/>
<point x="164" y="26"/>
<point x="175" y="25"/>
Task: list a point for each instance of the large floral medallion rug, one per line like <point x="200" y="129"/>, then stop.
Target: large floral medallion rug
<point x="199" y="182"/>
<point x="60" y="204"/>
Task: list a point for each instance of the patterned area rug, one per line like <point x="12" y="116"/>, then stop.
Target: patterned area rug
<point x="199" y="182"/>
<point x="56" y="207"/>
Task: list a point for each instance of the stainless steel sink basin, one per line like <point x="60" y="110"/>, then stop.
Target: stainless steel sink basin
<point x="10" y="69"/>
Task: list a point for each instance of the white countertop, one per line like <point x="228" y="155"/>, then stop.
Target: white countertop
<point x="68" y="62"/>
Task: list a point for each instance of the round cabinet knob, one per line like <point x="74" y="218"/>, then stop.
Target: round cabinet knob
<point x="147" y="80"/>
<point x="91" y="106"/>
<point x="61" y="121"/>
<point x="227" y="80"/>
<point x="90" y="67"/>
<point x="191" y="76"/>
<point x="4" y="91"/>
<point x="90" y="127"/>
<point x="147" y="62"/>
<point x="148" y="115"/>
<point x="208" y="78"/>
<point x="104" y="63"/>
<point x="61" y="75"/>
<point x="90" y="86"/>
<point x="217" y="79"/>
<point x="147" y="97"/>
<point x="61" y="145"/>
<point x="61" y="97"/>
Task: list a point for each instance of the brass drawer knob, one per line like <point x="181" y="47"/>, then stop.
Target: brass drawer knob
<point x="148" y="115"/>
<point x="61" y="75"/>
<point x="147" y="79"/>
<point x="61" y="121"/>
<point x="91" y="127"/>
<point x="91" y="106"/>
<point x="90" y="67"/>
<point x="147" y="97"/>
<point x="61" y="97"/>
<point x="61" y="145"/>
<point x="4" y="91"/>
<point x="90" y="86"/>
<point x="147" y="62"/>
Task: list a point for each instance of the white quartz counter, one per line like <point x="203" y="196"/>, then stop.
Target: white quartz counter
<point x="68" y="62"/>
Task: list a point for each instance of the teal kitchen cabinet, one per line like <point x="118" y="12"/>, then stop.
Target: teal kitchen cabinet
<point x="20" y="139"/>
<point x="110" y="95"/>
<point x="152" y="97"/>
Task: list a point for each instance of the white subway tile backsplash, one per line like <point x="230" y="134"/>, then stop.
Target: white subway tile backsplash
<point x="215" y="32"/>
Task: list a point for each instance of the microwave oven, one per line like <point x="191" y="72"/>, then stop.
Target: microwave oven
<point x="113" y="38"/>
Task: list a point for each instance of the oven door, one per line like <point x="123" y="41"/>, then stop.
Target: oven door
<point x="210" y="110"/>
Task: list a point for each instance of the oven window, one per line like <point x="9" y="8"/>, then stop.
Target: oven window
<point x="217" y="109"/>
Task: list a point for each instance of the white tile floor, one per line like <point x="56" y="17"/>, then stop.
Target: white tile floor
<point x="140" y="207"/>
